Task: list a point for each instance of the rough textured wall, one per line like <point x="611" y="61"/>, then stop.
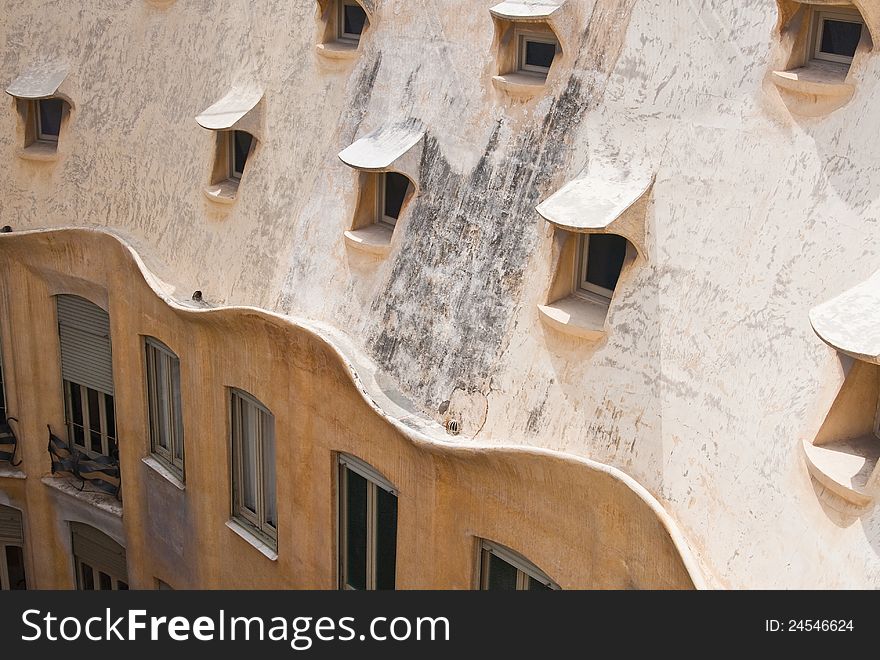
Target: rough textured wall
<point x="710" y="375"/>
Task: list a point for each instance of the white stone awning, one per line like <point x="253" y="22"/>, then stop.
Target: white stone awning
<point x="395" y="147"/>
<point x="231" y="109"/>
<point x="39" y="82"/>
<point x="526" y="10"/>
<point x="850" y="322"/>
<point x="604" y="198"/>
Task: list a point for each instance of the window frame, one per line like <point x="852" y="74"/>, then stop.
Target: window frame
<point x="341" y="34"/>
<point x="86" y="418"/>
<point x="583" y="287"/>
<point x="381" y="192"/>
<point x="840" y="14"/>
<point x="525" y="570"/>
<point x="255" y="521"/>
<point x="39" y="136"/>
<point x="234" y="174"/>
<point x="153" y="349"/>
<point x="4" y="565"/>
<point x="523" y="36"/>
<point x="115" y="580"/>
<point x="374" y="480"/>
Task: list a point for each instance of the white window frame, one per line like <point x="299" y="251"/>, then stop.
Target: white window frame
<point x="582" y="286"/>
<point x="45" y="137"/>
<point x="375" y="480"/>
<point x="155" y="350"/>
<point x="86" y="425"/>
<point x="844" y="15"/>
<point x="525" y="570"/>
<point x="341" y="34"/>
<point x="96" y="581"/>
<point x="234" y="174"/>
<point x="257" y="520"/>
<point x="381" y="187"/>
<point x="523" y="37"/>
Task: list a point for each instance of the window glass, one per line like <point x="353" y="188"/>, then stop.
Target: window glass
<point x="248" y="457"/>
<point x="606" y="253"/>
<point x="105" y="582"/>
<point x="353" y="19"/>
<point x="241" y="147"/>
<point x="269" y="470"/>
<point x="386" y="538"/>
<point x="94" y="420"/>
<point x="502" y="576"/>
<point x="356" y="530"/>
<point x="535" y="585"/>
<point x="539" y="54"/>
<point x="15" y="567"/>
<point x="840" y="37"/>
<point x="50" y="118"/>
<point x="76" y="414"/>
<point x="2" y="396"/>
<point x="395" y="190"/>
<point x="88" y="577"/>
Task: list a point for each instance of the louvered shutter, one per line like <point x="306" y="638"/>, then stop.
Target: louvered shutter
<point x="10" y="526"/>
<point x="84" y="331"/>
<point x="99" y="550"/>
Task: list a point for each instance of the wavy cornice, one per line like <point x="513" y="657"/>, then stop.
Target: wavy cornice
<point x="391" y="406"/>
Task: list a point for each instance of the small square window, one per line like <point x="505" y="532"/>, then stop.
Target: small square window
<point x="392" y="193"/>
<point x="239" y="149"/>
<point x="837" y="35"/>
<point x="536" y="53"/>
<point x="48" y="118"/>
<point x="352" y="20"/>
<point x="600" y="260"/>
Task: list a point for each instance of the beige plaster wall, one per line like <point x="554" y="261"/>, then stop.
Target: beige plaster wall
<point x="710" y="375"/>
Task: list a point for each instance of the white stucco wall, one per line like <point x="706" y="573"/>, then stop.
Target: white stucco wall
<point x="710" y="375"/>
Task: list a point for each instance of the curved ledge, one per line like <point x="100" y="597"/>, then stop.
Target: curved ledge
<point x="576" y="317"/>
<point x="39" y="151"/>
<point x="102" y="501"/>
<point x="230" y="109"/>
<point x="39" y="82"/>
<point x="422" y="432"/>
<point x="520" y="84"/>
<point x="525" y="10"/>
<point x="844" y="467"/>
<point x="374" y="239"/>
<point x="380" y="149"/>
<point x="338" y="50"/>
<point x="224" y="192"/>
<point x="850" y="323"/>
<point x="814" y="80"/>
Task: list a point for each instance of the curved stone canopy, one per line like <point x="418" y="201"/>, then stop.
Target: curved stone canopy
<point x="39" y="82"/>
<point x="850" y="322"/>
<point x="230" y="109"/>
<point x="381" y="148"/>
<point x="513" y="10"/>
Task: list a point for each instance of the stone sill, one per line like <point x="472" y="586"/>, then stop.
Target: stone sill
<point x="576" y="316"/>
<point x="40" y="151"/>
<point x="815" y="79"/>
<point x="338" y="50"/>
<point x="373" y="239"/>
<point x="254" y="540"/>
<point x="102" y="501"/>
<point x="520" y="84"/>
<point x="7" y="471"/>
<point x="224" y="192"/>
<point x="844" y="468"/>
<point x="164" y="471"/>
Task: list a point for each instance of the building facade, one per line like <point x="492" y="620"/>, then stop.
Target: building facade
<point x="376" y="294"/>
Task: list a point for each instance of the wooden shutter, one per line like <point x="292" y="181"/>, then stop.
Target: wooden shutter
<point x="10" y="526"/>
<point x="84" y="331"/>
<point x="99" y="550"/>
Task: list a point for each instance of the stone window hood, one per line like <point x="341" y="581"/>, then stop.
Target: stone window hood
<point x="509" y="15"/>
<point x="606" y="198"/>
<point x="240" y="109"/>
<point x="395" y="147"/>
<point x="41" y="81"/>
<point x="843" y="457"/>
<point x="810" y="87"/>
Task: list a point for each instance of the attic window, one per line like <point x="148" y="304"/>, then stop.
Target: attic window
<point x="536" y="52"/>
<point x="836" y="35"/>
<point x="43" y="107"/>
<point x="527" y="45"/>
<point x="825" y="40"/>
<point x="352" y="20"/>
<point x="392" y="193"/>
<point x="48" y="118"/>
<point x="344" y="23"/>
<point x="600" y="259"/>
<point x="240" y="144"/>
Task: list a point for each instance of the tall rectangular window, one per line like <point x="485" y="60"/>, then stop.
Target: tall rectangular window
<point x="253" y="466"/>
<point x="87" y="375"/>
<point x="392" y="193"/>
<point x="367" y="527"/>
<point x="239" y="149"/>
<point x="48" y="117"/>
<point x="164" y="404"/>
<point x="12" y="574"/>
<point x="600" y="260"/>
<point x="502" y="569"/>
